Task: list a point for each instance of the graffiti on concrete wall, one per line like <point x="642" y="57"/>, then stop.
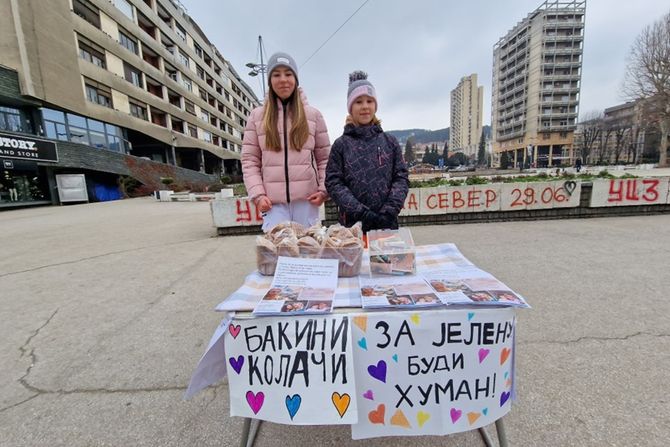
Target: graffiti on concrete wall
<point x="493" y="197"/>
<point x="630" y="191"/>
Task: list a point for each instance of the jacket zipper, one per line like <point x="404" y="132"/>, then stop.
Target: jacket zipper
<point x="288" y="192"/>
<point x="316" y="175"/>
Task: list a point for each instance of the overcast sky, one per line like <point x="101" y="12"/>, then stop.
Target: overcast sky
<point x="415" y="52"/>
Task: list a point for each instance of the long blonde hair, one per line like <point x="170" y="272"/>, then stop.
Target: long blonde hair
<point x="299" y="128"/>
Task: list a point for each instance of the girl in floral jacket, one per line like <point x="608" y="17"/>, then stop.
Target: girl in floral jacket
<point x="366" y="175"/>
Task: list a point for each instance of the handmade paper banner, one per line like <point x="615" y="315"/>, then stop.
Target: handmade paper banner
<point x="432" y="372"/>
<point x="292" y="371"/>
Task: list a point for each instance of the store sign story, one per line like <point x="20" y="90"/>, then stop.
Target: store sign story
<point x="292" y="371"/>
<point x="27" y="148"/>
<point x="432" y="372"/>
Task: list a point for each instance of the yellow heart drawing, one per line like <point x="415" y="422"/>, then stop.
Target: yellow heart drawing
<point x="341" y="402"/>
<point x="422" y="417"/>
<point x="361" y="322"/>
<point x="399" y="419"/>
<point x="415" y="319"/>
<point x="472" y="417"/>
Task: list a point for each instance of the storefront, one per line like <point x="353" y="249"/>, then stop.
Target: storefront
<point x="22" y="181"/>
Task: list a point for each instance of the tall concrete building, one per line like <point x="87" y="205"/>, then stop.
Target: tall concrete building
<point x="467" y="105"/>
<point x="537" y="70"/>
<point x="124" y="78"/>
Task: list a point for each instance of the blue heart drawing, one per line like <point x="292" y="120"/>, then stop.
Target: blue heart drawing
<point x="485" y="411"/>
<point x="470" y="315"/>
<point x="503" y="398"/>
<point x="237" y="363"/>
<point x="506" y="374"/>
<point x="363" y="343"/>
<point x="378" y="371"/>
<point x="293" y="404"/>
<point x="395" y="358"/>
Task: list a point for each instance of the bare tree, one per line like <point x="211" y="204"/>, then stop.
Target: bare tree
<point x="621" y="133"/>
<point x="592" y="127"/>
<point x="648" y="76"/>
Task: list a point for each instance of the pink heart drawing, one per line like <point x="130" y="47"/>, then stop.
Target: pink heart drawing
<point x="255" y="401"/>
<point x="368" y="395"/>
<point x="483" y="352"/>
<point x="234" y="330"/>
<point x="455" y="415"/>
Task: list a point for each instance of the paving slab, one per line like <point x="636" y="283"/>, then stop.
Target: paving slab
<point x="107" y="307"/>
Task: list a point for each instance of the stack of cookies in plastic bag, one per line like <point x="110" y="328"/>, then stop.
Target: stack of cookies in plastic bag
<point x="293" y="240"/>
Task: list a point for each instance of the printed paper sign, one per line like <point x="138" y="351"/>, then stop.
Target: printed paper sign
<point x="470" y="285"/>
<point x="433" y="372"/>
<point x="405" y="292"/>
<point x="292" y="371"/>
<point x="300" y="286"/>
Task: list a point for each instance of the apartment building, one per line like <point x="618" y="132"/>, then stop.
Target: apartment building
<point x="135" y="77"/>
<point x="537" y="69"/>
<point x="467" y="105"/>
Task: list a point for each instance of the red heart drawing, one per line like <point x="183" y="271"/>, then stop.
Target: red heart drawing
<point x="377" y="416"/>
<point x="504" y="354"/>
<point x="234" y="330"/>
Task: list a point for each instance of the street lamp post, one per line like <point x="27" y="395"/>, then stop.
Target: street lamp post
<point x="261" y="68"/>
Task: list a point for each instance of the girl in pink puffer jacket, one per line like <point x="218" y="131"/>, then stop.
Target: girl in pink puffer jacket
<point x="285" y="150"/>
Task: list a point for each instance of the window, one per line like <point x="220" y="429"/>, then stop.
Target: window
<point x="139" y="111"/>
<point x="198" y="50"/>
<point x="200" y="72"/>
<point x="87" y="11"/>
<point x="188" y="85"/>
<point x="189" y="106"/>
<point x="10" y="119"/>
<point x="181" y="32"/>
<point x="94" y="56"/>
<point x="193" y="131"/>
<point x="207" y="136"/>
<point x="183" y="58"/>
<point x="99" y="96"/>
<point x="204" y="115"/>
<point x="125" y="7"/>
<point x="128" y="42"/>
<point x="133" y="75"/>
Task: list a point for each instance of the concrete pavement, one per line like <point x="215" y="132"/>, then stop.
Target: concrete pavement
<point x="107" y="307"/>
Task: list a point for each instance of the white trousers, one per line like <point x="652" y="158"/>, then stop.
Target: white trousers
<point x="300" y="211"/>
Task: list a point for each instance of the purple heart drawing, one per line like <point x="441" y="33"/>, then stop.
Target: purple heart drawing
<point x="237" y="363"/>
<point x="255" y="401"/>
<point x="455" y="414"/>
<point x="368" y="395"/>
<point x="379" y="371"/>
<point x="483" y="352"/>
<point x="503" y="397"/>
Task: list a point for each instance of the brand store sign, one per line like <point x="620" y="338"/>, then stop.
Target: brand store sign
<point x="27" y="148"/>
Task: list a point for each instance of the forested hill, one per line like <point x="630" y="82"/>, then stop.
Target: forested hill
<point x="428" y="136"/>
<point x="421" y="135"/>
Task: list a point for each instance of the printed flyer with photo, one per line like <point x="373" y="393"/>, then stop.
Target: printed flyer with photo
<point x="470" y="285"/>
<point x="300" y="286"/>
<point x="404" y="292"/>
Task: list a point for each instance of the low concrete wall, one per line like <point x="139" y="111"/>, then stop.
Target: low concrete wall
<point x="472" y="204"/>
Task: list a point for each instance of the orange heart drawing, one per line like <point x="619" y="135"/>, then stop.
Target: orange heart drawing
<point x="341" y="402"/>
<point x="472" y="417"/>
<point x="399" y="419"/>
<point x="422" y="417"/>
<point x="361" y="322"/>
<point x="377" y="416"/>
<point x="504" y="354"/>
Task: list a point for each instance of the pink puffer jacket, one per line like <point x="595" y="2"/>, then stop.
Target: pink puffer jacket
<point x="268" y="172"/>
